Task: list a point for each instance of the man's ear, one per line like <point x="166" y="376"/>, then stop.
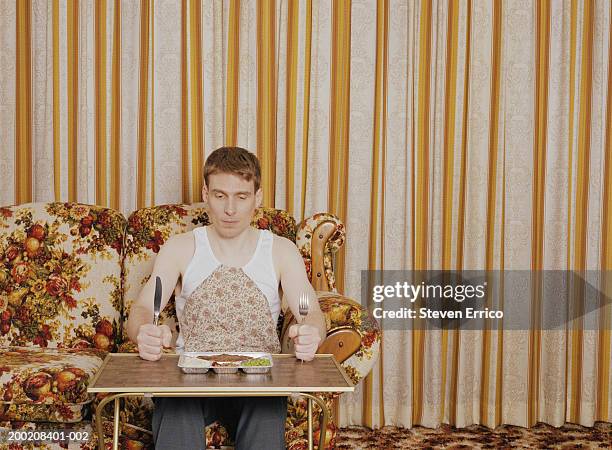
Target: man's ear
<point x="204" y="193"/>
<point x="258" y="198"/>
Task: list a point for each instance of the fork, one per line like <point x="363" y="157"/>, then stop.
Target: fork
<point x="303" y="307"/>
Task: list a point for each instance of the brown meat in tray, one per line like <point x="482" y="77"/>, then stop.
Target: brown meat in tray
<point x="225" y="359"/>
<point x="225" y="362"/>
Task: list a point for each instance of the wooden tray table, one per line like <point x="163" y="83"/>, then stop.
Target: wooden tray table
<point x="126" y="374"/>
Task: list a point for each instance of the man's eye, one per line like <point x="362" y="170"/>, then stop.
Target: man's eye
<point x="219" y="196"/>
<point x="242" y="197"/>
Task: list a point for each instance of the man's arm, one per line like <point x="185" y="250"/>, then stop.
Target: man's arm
<point x="312" y="331"/>
<point x="140" y="326"/>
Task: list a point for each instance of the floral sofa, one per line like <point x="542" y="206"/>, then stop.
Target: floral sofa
<point x="68" y="275"/>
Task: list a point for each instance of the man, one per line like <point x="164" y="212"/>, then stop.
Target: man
<point x="226" y="279"/>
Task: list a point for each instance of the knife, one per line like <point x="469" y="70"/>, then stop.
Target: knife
<point x="157" y="300"/>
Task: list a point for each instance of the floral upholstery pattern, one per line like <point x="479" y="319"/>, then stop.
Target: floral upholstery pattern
<point x="304" y="244"/>
<point x="50" y="295"/>
<point x="46" y="384"/>
<point x="60" y="288"/>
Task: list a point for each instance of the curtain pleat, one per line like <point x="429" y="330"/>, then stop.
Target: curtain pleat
<point x="233" y="71"/>
<point x="291" y="103"/>
<point x="143" y="102"/>
<point x="72" y="69"/>
<point x="605" y="320"/>
<point x="439" y="138"/>
<point x="115" y="133"/>
<point x="266" y="98"/>
<point x="100" y="102"/>
<point x="305" y="86"/>
<point x="339" y="118"/>
<point x="8" y="91"/>
<point x="23" y="110"/>
<point x="41" y="91"/>
<point x="196" y="97"/>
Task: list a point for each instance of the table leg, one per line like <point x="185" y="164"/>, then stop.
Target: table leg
<point x="116" y="417"/>
<point x="322" y="424"/>
<point x="116" y="426"/>
<point x="99" y="427"/>
<point x="310" y="436"/>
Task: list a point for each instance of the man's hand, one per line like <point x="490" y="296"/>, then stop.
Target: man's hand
<point x="150" y="340"/>
<point x="306" y="340"/>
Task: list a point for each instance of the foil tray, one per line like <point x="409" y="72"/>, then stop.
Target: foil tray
<point x="190" y="363"/>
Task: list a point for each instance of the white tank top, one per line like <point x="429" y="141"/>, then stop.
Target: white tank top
<point x="260" y="269"/>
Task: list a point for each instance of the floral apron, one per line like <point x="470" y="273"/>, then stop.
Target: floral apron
<point x="227" y="312"/>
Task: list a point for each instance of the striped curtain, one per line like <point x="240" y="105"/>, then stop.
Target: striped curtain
<point x="447" y="134"/>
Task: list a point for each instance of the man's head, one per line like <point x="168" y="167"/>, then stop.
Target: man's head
<point x="232" y="179"/>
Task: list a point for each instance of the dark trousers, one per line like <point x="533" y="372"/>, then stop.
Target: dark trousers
<point x="255" y="423"/>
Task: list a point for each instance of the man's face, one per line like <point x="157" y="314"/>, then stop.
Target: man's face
<point x="231" y="202"/>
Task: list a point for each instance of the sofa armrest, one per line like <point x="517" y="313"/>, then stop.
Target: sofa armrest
<point x="318" y="238"/>
<point x="353" y="336"/>
<point x="341" y="343"/>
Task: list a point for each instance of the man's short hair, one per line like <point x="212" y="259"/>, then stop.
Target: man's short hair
<point x="234" y="160"/>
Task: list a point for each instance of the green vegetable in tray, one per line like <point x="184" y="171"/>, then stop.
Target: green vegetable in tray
<point x="256" y="362"/>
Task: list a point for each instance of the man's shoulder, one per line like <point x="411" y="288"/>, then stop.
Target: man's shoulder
<point x="283" y="247"/>
<point x="287" y="258"/>
<point x="179" y="248"/>
<point x="180" y="241"/>
<point x="282" y="242"/>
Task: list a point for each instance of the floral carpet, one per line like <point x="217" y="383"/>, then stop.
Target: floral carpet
<point x="541" y="436"/>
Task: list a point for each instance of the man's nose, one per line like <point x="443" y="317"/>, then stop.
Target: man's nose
<point x="230" y="208"/>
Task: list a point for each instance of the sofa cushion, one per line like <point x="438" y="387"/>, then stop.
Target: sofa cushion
<point x="60" y="275"/>
<point x="149" y="228"/>
<point x="46" y="385"/>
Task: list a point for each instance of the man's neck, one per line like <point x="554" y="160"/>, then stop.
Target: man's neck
<point x="234" y="244"/>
